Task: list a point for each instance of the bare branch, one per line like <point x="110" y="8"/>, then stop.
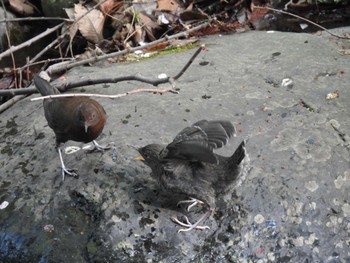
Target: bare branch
<point x="67" y="65"/>
<point x="302" y="18"/>
<point x="34" y="19"/>
<point x="57" y="39"/>
<point x="155" y="91"/>
<point x="10" y="102"/>
<point x="9" y="40"/>
<point x="30" y="41"/>
<point x="189" y="62"/>
<point x="66" y="86"/>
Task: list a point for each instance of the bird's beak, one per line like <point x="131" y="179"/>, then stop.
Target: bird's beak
<point x="86" y="126"/>
<point x="139" y="158"/>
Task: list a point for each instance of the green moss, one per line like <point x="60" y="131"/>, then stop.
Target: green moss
<point x="171" y="50"/>
<point x="91" y="247"/>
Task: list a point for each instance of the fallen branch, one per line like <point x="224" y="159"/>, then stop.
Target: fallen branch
<point x="66" y="86"/>
<point x="11" y="102"/>
<point x="9" y="40"/>
<point x="155" y="91"/>
<point x="30" y="41"/>
<point x="56" y="41"/>
<point x="34" y="19"/>
<point x="63" y="66"/>
<point x="153" y="82"/>
<point x="302" y="18"/>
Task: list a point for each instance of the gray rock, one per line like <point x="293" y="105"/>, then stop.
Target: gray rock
<point x="291" y="206"/>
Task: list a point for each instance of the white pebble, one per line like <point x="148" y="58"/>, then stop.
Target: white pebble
<point x="4" y="205"/>
<point x="259" y="219"/>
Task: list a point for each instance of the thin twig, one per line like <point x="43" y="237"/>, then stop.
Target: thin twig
<point x="9" y="40"/>
<point x="67" y="65"/>
<point x="46" y="61"/>
<point x="302" y="18"/>
<point x="67" y="86"/>
<point x="182" y="71"/>
<point x="10" y="102"/>
<point x="53" y="43"/>
<point x="30" y="41"/>
<point x="34" y="19"/>
<point x="155" y="91"/>
<point x="30" y="62"/>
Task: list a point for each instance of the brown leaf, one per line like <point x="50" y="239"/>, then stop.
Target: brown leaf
<point x="6" y="81"/>
<point x="193" y="15"/>
<point x="74" y="26"/>
<point x="22" y="7"/>
<point x="110" y="6"/>
<point x="159" y="46"/>
<point x="167" y="5"/>
<point x="90" y="23"/>
<point x="149" y="25"/>
<point x="139" y="34"/>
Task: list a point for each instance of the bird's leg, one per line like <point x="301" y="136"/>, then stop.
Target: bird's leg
<point x="193" y="202"/>
<point x="71" y="172"/>
<point x="98" y="147"/>
<point x="189" y="226"/>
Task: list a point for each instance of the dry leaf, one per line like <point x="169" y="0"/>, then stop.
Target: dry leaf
<point x="110" y="6"/>
<point x="139" y="35"/>
<point x="149" y="25"/>
<point x="6" y="81"/>
<point x="90" y="24"/>
<point x="192" y="15"/>
<point x="156" y="47"/>
<point x="22" y="7"/>
<point x="73" y="27"/>
<point x="167" y="5"/>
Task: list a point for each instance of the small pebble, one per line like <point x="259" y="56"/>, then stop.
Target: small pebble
<point x="4" y="205"/>
<point x="162" y="76"/>
<point x="311" y="186"/>
<point x="259" y="219"/>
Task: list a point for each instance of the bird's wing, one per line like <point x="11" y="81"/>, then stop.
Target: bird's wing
<point x="218" y="132"/>
<point x="44" y="87"/>
<point x="196" y="143"/>
<point x="54" y="108"/>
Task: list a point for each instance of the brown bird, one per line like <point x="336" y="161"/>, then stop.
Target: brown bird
<point x="78" y="119"/>
<point x="189" y="166"/>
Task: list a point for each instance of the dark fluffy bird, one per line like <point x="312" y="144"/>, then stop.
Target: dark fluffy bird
<point x="189" y="166"/>
<point x="78" y="119"/>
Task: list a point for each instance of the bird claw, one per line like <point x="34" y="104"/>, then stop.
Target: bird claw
<point x="188" y="225"/>
<point x="99" y="148"/>
<point x="193" y="202"/>
<point x="69" y="172"/>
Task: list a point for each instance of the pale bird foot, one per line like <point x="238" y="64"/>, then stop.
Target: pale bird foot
<point x="99" y="148"/>
<point x="193" y="202"/>
<point x="69" y="172"/>
<point x="188" y="225"/>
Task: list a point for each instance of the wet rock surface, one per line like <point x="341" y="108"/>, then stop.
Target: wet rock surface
<point x="291" y="205"/>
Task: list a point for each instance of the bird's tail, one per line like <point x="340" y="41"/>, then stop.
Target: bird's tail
<point x="238" y="156"/>
<point x="44" y="87"/>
